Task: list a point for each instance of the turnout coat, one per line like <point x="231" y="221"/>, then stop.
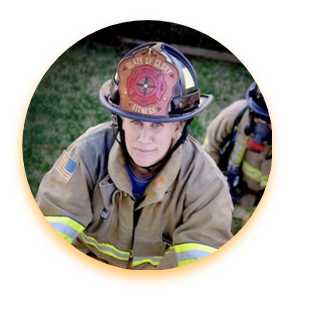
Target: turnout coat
<point x="87" y="197"/>
<point x="255" y="167"/>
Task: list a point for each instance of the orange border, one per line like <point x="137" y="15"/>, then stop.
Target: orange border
<point x="39" y="258"/>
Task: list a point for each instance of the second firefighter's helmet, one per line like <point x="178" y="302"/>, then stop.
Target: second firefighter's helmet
<point x="154" y="82"/>
<point x="256" y="101"/>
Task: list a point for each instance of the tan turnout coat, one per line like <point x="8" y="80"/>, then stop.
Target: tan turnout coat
<point x="255" y="167"/>
<point x="87" y="197"/>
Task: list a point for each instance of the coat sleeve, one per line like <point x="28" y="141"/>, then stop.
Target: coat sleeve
<point x="220" y="127"/>
<point x="206" y="224"/>
<point x="64" y="195"/>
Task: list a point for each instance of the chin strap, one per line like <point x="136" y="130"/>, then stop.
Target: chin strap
<point x="117" y="122"/>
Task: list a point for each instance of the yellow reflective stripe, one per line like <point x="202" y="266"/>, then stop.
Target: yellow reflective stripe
<point x="206" y="142"/>
<point x="66" y="237"/>
<point x="264" y="180"/>
<point x="190" y="252"/>
<point x="168" y="251"/>
<point x="193" y="246"/>
<point x="153" y="260"/>
<point x="251" y="171"/>
<point x="183" y="263"/>
<point x="251" y="168"/>
<point x="66" y="220"/>
<point x="106" y="248"/>
<point x="66" y="227"/>
<point x="145" y="260"/>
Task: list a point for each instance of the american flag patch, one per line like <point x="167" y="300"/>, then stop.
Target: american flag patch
<point x="65" y="167"/>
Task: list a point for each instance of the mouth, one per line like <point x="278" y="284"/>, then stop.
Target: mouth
<point x="144" y="151"/>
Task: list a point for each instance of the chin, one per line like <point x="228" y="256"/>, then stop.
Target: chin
<point x="144" y="163"/>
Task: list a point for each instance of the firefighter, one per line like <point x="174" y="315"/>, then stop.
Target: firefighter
<point x="239" y="139"/>
<point x="132" y="192"/>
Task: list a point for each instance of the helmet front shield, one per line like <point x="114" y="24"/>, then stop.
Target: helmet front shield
<point x="154" y="82"/>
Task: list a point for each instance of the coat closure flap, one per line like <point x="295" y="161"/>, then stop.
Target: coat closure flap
<point x="117" y="169"/>
<point x="107" y="190"/>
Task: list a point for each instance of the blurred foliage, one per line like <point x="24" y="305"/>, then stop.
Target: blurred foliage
<point x="65" y="103"/>
<point x="150" y="30"/>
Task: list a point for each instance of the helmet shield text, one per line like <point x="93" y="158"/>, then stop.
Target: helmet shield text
<point x="147" y="83"/>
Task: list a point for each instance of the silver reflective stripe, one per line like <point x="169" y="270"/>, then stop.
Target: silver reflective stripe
<point x="65" y="229"/>
<point x="106" y="248"/>
<point x="189" y="255"/>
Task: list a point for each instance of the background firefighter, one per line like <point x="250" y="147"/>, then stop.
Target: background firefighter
<point x="239" y="139"/>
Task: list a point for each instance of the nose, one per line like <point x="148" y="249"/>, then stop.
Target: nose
<point x="145" y="135"/>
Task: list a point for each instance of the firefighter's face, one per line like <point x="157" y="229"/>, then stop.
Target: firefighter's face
<point x="147" y="142"/>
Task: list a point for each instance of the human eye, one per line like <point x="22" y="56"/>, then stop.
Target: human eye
<point x="157" y="125"/>
<point x="136" y="122"/>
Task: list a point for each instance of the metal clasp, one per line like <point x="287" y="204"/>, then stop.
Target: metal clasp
<point x="104" y="214"/>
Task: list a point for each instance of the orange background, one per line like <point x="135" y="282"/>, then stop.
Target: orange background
<point x="40" y="258"/>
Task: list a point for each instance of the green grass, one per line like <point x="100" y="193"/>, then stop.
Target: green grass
<point x="66" y="103"/>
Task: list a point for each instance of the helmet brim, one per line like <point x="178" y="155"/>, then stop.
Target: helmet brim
<point x="104" y="97"/>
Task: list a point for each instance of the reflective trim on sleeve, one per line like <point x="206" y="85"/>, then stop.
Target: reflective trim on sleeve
<point x="106" y="248"/>
<point x="190" y="252"/>
<point x="264" y="180"/>
<point x="251" y="172"/>
<point x="153" y="260"/>
<point x="66" y="237"/>
<point x="66" y="227"/>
